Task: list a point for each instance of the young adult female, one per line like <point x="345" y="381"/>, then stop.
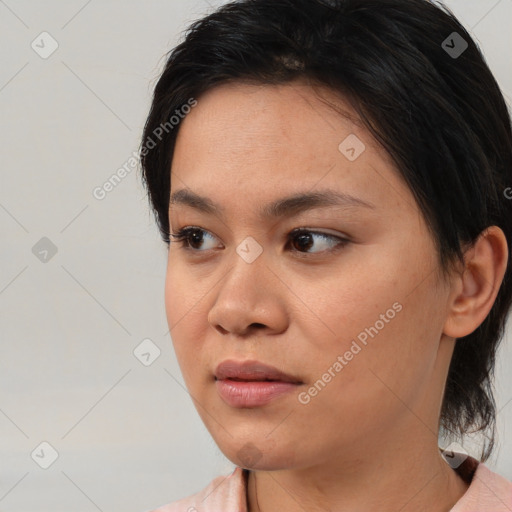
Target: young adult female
<point x="333" y="179"/>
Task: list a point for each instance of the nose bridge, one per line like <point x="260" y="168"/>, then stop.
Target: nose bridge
<point x="248" y="266"/>
<point x="249" y="250"/>
<point x="244" y="297"/>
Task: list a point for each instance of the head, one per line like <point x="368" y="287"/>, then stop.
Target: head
<point x="407" y="279"/>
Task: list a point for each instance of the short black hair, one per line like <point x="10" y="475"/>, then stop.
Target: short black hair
<point x="423" y="89"/>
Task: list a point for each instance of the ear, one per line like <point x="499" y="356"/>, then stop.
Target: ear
<point x="474" y="290"/>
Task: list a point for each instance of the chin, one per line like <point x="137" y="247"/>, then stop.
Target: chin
<point x="264" y="456"/>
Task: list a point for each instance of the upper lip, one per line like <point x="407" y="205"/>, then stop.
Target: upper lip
<point x="251" y="371"/>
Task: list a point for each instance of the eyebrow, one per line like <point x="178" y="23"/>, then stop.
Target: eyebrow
<point x="284" y="207"/>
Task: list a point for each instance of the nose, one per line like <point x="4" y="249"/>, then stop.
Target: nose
<point x="250" y="300"/>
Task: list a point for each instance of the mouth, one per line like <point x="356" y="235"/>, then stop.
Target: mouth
<point x="234" y="379"/>
<point x="252" y="371"/>
<point x="251" y="384"/>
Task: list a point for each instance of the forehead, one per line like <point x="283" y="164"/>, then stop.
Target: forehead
<point x="276" y="140"/>
<point x="293" y="105"/>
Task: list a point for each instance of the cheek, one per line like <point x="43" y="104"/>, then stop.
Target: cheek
<point x="384" y="326"/>
<point x="184" y="294"/>
<point x="375" y="382"/>
<point x="185" y="318"/>
<point x="173" y="289"/>
<point x="374" y="285"/>
<point x="348" y="301"/>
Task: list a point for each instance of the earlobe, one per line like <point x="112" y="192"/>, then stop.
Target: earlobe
<point x="475" y="289"/>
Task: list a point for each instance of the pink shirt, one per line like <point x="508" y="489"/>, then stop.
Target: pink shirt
<point x="487" y="492"/>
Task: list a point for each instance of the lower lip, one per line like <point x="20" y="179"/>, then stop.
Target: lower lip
<point x="252" y="393"/>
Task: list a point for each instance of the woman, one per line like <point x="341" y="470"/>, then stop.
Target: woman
<point x="333" y="181"/>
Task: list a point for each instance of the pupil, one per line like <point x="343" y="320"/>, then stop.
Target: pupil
<point x="196" y="237"/>
<point x="304" y="241"/>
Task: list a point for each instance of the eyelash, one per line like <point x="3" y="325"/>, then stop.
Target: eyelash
<point x="182" y="236"/>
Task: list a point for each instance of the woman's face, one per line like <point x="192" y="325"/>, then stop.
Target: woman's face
<point x="352" y="308"/>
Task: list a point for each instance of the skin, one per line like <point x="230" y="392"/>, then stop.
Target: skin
<point x="369" y="440"/>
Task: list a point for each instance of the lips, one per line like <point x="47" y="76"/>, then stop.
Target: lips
<point x="251" y="384"/>
<point x="252" y="371"/>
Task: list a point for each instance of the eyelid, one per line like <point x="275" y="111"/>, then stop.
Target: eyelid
<point x="182" y="234"/>
<point x="319" y="231"/>
<point x="181" y="237"/>
<point x="342" y="241"/>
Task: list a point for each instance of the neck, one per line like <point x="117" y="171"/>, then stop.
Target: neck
<point x="409" y="480"/>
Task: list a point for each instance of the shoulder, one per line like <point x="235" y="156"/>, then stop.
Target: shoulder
<point x="226" y="493"/>
<point x="488" y="491"/>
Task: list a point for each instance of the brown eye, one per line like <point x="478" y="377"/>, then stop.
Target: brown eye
<point x="192" y="238"/>
<point x="303" y="240"/>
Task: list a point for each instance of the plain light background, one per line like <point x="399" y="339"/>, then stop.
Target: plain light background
<point x="127" y="435"/>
